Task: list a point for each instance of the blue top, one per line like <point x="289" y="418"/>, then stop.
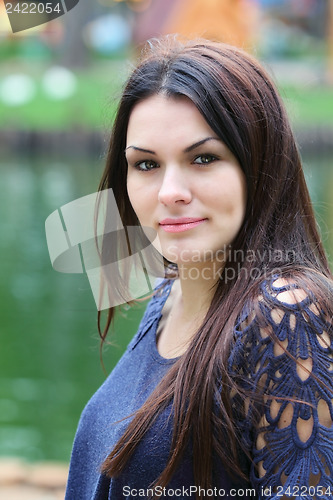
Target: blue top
<point x="287" y="357"/>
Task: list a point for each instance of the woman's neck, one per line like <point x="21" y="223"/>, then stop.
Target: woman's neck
<point x="197" y="287"/>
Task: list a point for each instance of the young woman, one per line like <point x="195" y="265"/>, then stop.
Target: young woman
<point x="226" y="389"/>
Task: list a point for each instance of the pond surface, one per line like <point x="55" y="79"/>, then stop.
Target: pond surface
<point x="49" y="356"/>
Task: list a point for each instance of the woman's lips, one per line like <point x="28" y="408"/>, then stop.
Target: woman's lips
<point x="181" y="224"/>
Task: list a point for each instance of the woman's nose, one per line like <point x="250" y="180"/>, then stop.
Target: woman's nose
<point x="175" y="187"/>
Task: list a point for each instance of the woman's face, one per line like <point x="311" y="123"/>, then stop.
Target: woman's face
<point x="182" y="180"/>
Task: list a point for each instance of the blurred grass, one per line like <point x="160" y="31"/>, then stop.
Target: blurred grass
<point x="98" y="89"/>
<point x="90" y="107"/>
<point x="309" y="106"/>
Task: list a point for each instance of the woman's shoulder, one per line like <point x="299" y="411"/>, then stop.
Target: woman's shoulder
<point x="296" y="296"/>
<point x="288" y="316"/>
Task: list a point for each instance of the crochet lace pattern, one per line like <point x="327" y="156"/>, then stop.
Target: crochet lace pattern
<point x="286" y="355"/>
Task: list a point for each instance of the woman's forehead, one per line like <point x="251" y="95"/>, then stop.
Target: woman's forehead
<point x="167" y="116"/>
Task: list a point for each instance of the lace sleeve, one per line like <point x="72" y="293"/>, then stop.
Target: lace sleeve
<point x="289" y="360"/>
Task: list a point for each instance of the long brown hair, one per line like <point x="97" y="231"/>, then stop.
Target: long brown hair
<point x="240" y="103"/>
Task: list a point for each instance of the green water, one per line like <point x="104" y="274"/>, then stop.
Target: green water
<point x="49" y="356"/>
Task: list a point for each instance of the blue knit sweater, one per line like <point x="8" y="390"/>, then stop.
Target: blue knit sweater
<point x="287" y="357"/>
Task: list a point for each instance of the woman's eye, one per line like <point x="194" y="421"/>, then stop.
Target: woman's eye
<point x="146" y="165"/>
<point x="204" y="159"/>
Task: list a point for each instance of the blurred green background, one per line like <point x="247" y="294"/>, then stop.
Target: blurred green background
<point x="59" y="87"/>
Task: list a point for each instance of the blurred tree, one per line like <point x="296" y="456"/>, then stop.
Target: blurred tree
<point x="73" y="50"/>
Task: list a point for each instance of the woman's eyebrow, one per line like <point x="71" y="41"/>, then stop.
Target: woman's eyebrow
<point x="136" y="148"/>
<point x="186" y="150"/>
<point x="199" y="143"/>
